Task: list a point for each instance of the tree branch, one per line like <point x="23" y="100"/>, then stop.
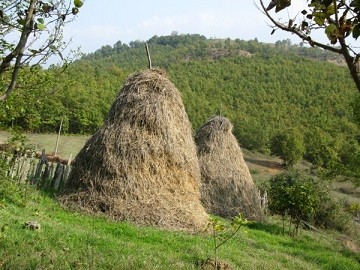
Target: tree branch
<point x="351" y="61"/>
<point x="19" y="50"/>
<point x="297" y="32"/>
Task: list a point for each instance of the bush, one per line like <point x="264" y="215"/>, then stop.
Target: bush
<point x="306" y="199"/>
<point x="293" y="194"/>
<point x="11" y="190"/>
<point x="330" y="214"/>
<point x="8" y="188"/>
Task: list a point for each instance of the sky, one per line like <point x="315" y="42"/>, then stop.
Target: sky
<point x="101" y="23"/>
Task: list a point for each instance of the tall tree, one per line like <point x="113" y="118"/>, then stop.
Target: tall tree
<point x="339" y="21"/>
<point x="37" y="28"/>
<point x="289" y="146"/>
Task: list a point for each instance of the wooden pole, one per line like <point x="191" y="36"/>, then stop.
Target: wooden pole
<point x="58" y="137"/>
<point x="148" y="55"/>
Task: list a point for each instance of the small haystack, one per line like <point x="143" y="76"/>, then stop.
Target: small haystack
<point x="141" y="166"/>
<point x="227" y="185"/>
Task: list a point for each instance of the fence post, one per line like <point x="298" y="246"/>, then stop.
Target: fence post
<point x="67" y="171"/>
<point x="45" y="177"/>
<point x="57" y="177"/>
<point x="58" y="137"/>
<point x="38" y="173"/>
<point x="31" y="174"/>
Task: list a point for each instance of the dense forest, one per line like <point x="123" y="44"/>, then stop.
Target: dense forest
<point x="264" y="89"/>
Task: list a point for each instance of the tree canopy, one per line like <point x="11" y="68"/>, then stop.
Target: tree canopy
<point x="37" y="28"/>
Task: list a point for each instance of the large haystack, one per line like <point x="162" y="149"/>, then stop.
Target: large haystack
<point x="227" y="185"/>
<point x="141" y="166"/>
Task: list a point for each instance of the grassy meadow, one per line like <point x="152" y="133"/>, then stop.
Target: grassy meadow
<point x="68" y="144"/>
<point x="71" y="240"/>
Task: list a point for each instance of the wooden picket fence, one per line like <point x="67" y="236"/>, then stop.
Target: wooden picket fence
<point x="28" y="168"/>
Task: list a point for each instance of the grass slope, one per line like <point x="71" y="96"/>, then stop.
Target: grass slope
<point x="69" y="240"/>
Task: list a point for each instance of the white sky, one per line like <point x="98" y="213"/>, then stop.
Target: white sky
<point x="108" y="21"/>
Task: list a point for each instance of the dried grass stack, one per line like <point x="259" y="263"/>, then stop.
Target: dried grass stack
<point x="227" y="185"/>
<point x="141" y="166"/>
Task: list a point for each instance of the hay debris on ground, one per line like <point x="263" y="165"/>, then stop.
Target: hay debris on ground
<point x="227" y="185"/>
<point x="141" y="166"/>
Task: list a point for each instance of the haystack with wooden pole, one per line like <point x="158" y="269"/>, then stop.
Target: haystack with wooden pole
<point x="141" y="166"/>
<point x="227" y="185"/>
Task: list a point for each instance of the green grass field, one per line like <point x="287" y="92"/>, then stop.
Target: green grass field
<point x="68" y="144"/>
<point x="71" y="240"/>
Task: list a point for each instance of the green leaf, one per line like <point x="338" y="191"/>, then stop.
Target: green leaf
<point x="304" y="25"/>
<point x="78" y="3"/>
<point x="33" y="51"/>
<point x="40" y="26"/>
<point x="21" y="21"/>
<point x="331" y="30"/>
<point x="219" y="227"/>
<point x="40" y="20"/>
<point x="330" y="10"/>
<point x="281" y="4"/>
<point x="327" y="2"/>
<point x="355" y="3"/>
<point x="356" y="31"/>
<point x="75" y="10"/>
<point x="319" y="17"/>
<point x="46" y="8"/>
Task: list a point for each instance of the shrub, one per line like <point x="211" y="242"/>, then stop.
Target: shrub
<point x="11" y="190"/>
<point x="305" y="199"/>
<point x="293" y="194"/>
<point x="329" y="213"/>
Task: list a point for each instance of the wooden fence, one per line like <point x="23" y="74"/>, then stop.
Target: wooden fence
<point x="37" y="169"/>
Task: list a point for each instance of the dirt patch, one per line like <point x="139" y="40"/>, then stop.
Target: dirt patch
<point x="210" y="264"/>
<point x="272" y="165"/>
<point x="350" y="244"/>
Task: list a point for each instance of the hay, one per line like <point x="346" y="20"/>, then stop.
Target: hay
<point x="141" y="166"/>
<point x="227" y="185"/>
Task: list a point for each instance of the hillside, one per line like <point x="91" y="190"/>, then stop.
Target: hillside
<point x="62" y="239"/>
<point x="71" y="241"/>
<point x="264" y="89"/>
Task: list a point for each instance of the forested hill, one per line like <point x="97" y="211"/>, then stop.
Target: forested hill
<point x="265" y="90"/>
<point x="167" y="50"/>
